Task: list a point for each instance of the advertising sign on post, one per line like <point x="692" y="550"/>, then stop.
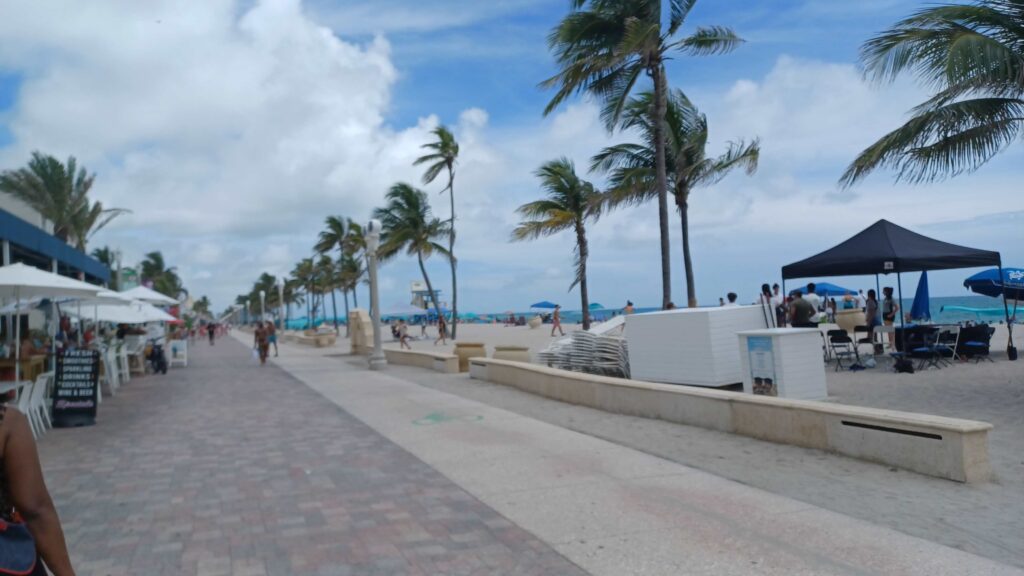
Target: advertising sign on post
<point x="75" y="388"/>
<point x="762" y="365"/>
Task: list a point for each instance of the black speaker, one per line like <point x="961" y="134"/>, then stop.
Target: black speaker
<point x="1011" y="352"/>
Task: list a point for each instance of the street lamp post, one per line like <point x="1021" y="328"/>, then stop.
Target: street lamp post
<point x="280" y="302"/>
<point x="263" y="306"/>
<point x="377" y="360"/>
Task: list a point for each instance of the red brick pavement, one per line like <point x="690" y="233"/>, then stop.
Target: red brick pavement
<point x="225" y="467"/>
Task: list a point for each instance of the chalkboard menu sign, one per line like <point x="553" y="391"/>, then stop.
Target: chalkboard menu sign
<point x="75" y="388"/>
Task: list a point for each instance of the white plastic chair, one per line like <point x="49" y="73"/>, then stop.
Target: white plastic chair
<point x="24" y="405"/>
<point x="38" y="412"/>
<point x="123" y="369"/>
<point x="110" y="372"/>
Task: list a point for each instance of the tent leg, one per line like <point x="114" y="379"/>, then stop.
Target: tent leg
<point x="903" y="330"/>
<point x="17" y="334"/>
<point x="1006" y="309"/>
<point x="784" y="305"/>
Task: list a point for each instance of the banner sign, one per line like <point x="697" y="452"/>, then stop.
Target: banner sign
<point x="762" y="365"/>
<point x="75" y="387"/>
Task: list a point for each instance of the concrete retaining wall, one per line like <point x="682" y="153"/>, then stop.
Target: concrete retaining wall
<point x="944" y="447"/>
<point x="447" y="363"/>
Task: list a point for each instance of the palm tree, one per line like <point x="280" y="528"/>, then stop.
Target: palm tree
<point x="327" y="281"/>
<point x="570" y="202"/>
<point x="345" y="235"/>
<point x="973" y="55"/>
<point x="350" y="272"/>
<point x="355" y="246"/>
<point x="59" y="193"/>
<point x="444" y="154"/>
<point x="165" y="280"/>
<point x="90" y="219"/>
<point x="304" y="274"/>
<point x="604" y="46"/>
<point x="632" y="166"/>
<point x="407" y="224"/>
<point x="202" y="306"/>
<point x="106" y="257"/>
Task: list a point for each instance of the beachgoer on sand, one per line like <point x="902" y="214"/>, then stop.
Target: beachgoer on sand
<point x="890" y="308"/>
<point x="403" y="335"/>
<point x="629" y="308"/>
<point x="556" y="320"/>
<point x="442" y="330"/>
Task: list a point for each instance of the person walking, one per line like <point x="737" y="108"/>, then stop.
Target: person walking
<point x="764" y="299"/>
<point x="211" y="331"/>
<point x="556" y="320"/>
<point x="403" y="335"/>
<point x="271" y="337"/>
<point x="25" y="502"/>
<point x="261" y="342"/>
<point x="890" y="308"/>
<point x="442" y="330"/>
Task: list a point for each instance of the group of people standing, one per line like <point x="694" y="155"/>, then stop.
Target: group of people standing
<point x="802" y="310"/>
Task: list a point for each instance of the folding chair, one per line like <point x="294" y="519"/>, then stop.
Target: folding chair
<point x="842" y="346"/>
<point x="927" y="352"/>
<point x="866" y="339"/>
<point x="948" y="341"/>
<point x="978" y="350"/>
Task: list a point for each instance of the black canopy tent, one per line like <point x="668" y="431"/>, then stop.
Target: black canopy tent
<point x="885" y="248"/>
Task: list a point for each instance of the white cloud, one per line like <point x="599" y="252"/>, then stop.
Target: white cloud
<point x="231" y="133"/>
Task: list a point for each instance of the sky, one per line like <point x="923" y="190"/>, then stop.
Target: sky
<point x="232" y="128"/>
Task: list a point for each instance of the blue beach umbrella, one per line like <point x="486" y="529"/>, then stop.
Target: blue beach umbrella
<point x="921" y="310"/>
<point x="989" y="283"/>
<point x="596" y="306"/>
<point x="544" y="304"/>
<point x="825" y="290"/>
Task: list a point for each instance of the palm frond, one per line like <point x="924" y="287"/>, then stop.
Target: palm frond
<point x="710" y="40"/>
<point x="943" y="142"/>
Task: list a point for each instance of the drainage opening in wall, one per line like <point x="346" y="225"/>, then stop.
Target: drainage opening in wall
<point x="893" y="430"/>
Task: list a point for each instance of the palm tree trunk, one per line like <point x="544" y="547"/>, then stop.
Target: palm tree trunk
<point x="426" y="280"/>
<point x="660" y="110"/>
<point x="581" y="242"/>
<point x="355" y="296"/>
<point x="451" y="253"/>
<point x="334" y="311"/>
<point x="309" y="316"/>
<point x="684" y="219"/>
<point x="347" y="331"/>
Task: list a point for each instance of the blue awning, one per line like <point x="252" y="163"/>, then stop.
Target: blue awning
<point x="28" y="237"/>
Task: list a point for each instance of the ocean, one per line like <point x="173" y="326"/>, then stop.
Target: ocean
<point x="988" y="310"/>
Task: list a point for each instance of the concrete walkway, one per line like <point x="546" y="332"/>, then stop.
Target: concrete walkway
<point x="226" y="467"/>
<point x="611" y="509"/>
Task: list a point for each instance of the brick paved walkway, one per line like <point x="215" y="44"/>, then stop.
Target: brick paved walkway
<point x="228" y="468"/>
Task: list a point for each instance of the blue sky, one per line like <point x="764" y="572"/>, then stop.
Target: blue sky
<point x="231" y="128"/>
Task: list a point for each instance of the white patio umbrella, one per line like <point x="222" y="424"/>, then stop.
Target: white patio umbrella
<point x="149" y="295"/>
<point x="19" y="281"/>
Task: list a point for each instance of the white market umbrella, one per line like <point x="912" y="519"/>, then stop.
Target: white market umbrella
<point x="134" y="313"/>
<point x="149" y="295"/>
<point x="19" y="281"/>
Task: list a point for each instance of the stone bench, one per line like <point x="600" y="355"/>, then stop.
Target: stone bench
<point x="445" y="363"/>
<point x="937" y="446"/>
<point x="319" y="340"/>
